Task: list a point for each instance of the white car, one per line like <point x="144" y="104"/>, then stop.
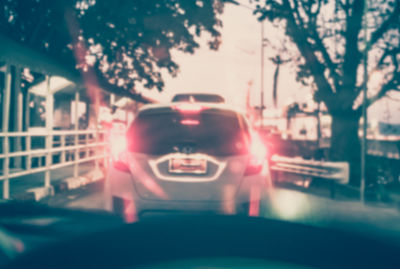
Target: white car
<point x="188" y="156"/>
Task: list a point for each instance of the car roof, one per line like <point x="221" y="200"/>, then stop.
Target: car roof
<point x="166" y="107"/>
<point x="197" y="93"/>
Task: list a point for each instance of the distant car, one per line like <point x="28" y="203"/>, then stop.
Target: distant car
<point x="198" y="97"/>
<point x="189" y="156"/>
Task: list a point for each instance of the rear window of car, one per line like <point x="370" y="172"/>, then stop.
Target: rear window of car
<point x="207" y="98"/>
<point x="213" y="132"/>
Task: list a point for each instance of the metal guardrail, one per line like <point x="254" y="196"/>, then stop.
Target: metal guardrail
<point x="60" y="149"/>
<point x="386" y="146"/>
<point x="337" y="172"/>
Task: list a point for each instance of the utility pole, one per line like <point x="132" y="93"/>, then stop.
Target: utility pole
<point x="262" y="76"/>
<point x="364" y="106"/>
<point x="319" y="134"/>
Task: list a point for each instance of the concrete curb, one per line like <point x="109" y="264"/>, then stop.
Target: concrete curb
<point x="70" y="183"/>
<point x="36" y="194"/>
<point x="83" y="180"/>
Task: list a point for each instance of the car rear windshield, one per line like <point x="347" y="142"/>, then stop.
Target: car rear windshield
<point x="198" y="98"/>
<point x="213" y="132"/>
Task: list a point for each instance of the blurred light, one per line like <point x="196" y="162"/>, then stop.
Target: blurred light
<point x="258" y="154"/>
<point x="130" y="214"/>
<point x="228" y="193"/>
<point x="190" y="122"/>
<point x="118" y="145"/>
<point x="188" y="108"/>
<point x="257" y="147"/>
<point x="255" y="197"/>
<point x="289" y="205"/>
<point x="118" y="142"/>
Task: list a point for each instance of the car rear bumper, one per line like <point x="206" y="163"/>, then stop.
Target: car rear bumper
<point x="120" y="187"/>
<point x="144" y="207"/>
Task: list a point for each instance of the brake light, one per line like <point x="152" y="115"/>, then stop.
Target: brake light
<point x="254" y="166"/>
<point x="257" y="147"/>
<point x="121" y="162"/>
<point x="190" y="122"/>
<point x="188" y="107"/>
<point x="258" y="153"/>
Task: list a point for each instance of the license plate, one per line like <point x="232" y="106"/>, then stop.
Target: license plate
<point x="187" y="165"/>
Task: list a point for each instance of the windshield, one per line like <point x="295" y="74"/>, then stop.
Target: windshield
<point x="268" y="109"/>
<point x="158" y="133"/>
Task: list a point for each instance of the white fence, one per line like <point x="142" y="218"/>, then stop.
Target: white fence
<point x="43" y="151"/>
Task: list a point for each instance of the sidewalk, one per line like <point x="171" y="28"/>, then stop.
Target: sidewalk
<point x="61" y="179"/>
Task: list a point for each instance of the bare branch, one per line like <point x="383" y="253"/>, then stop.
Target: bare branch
<point x="387" y="24"/>
<point x="393" y="83"/>
<point x="299" y="36"/>
<point x="387" y="87"/>
<point x="296" y="11"/>
<point x="315" y="14"/>
<point x="343" y="5"/>
<point x="327" y="58"/>
<point x="392" y="53"/>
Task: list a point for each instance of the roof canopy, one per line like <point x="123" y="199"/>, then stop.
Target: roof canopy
<point x="18" y="55"/>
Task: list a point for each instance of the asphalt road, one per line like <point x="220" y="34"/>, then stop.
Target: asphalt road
<point x="284" y="203"/>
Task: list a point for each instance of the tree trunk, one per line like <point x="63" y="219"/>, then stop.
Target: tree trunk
<point x="345" y="143"/>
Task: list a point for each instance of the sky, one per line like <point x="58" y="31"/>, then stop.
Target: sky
<point x="387" y="109"/>
<point x="229" y="70"/>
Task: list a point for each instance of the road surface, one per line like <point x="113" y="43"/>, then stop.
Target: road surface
<point x="286" y="204"/>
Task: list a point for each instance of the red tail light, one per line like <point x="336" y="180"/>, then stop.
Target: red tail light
<point x="258" y="153"/>
<point x="121" y="162"/>
<point x="190" y="122"/>
<point x="257" y="147"/>
<point x="254" y="166"/>
<point x="189" y="108"/>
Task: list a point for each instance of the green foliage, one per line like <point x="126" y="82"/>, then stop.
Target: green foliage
<point x="126" y="42"/>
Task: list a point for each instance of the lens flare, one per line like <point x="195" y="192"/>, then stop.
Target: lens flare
<point x="255" y="198"/>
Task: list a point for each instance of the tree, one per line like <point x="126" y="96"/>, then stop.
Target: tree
<point x="328" y="46"/>
<point x="121" y="43"/>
